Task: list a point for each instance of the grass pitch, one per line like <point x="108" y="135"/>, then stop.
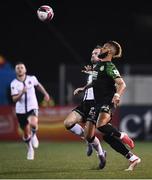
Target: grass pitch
<point x="55" y="160"/>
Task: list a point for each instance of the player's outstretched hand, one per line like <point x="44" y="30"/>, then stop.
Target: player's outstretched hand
<point x="87" y="69"/>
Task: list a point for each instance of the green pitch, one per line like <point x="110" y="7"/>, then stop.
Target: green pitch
<point x="69" y="161"/>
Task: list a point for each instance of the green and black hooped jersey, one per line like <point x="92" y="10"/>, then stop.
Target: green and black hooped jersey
<point x="103" y="81"/>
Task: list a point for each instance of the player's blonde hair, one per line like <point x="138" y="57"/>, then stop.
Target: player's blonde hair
<point x="118" y="48"/>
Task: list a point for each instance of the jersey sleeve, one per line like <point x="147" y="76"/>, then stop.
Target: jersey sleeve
<point x="14" y="90"/>
<point x="35" y="81"/>
<point x="112" y="71"/>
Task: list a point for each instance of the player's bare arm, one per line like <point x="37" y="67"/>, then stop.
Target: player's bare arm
<point x="120" y="88"/>
<point x="43" y="91"/>
<point x="79" y="90"/>
<point x="82" y="89"/>
<point x="17" y="97"/>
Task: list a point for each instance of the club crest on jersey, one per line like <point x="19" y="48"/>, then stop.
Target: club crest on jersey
<point x="101" y="68"/>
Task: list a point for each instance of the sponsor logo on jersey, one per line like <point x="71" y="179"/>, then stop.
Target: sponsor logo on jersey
<point x="101" y="68"/>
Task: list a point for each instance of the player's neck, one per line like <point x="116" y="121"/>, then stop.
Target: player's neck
<point x="22" y="77"/>
<point x="106" y="59"/>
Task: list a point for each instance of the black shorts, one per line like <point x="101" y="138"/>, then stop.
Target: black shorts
<point x="87" y="110"/>
<point x="99" y="108"/>
<point x="105" y="108"/>
<point x="23" y="118"/>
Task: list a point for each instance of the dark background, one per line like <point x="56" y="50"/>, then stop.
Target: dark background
<point x="76" y="28"/>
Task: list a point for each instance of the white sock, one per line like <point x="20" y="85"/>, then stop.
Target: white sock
<point x="133" y="158"/>
<point x="78" y="130"/>
<point x="28" y="141"/>
<point x="122" y="134"/>
<point x="30" y="145"/>
<point x="97" y="146"/>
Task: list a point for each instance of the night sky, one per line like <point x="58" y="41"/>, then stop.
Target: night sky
<point x="75" y="30"/>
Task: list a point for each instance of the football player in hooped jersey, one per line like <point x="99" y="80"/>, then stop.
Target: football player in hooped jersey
<point x="26" y="105"/>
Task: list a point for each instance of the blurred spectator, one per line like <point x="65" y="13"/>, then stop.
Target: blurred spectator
<point x="7" y="73"/>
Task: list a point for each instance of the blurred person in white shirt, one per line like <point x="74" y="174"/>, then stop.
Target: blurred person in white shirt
<point x="26" y="105"/>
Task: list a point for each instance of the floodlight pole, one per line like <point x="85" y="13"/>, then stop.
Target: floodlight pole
<point x="62" y="78"/>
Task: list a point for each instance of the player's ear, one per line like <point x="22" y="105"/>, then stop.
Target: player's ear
<point x="25" y="70"/>
<point x="110" y="51"/>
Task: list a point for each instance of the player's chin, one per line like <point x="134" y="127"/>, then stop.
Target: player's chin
<point x="94" y="61"/>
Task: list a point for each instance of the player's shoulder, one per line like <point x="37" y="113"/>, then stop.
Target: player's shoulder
<point x="14" y="81"/>
<point x="111" y="65"/>
<point x="112" y="70"/>
<point x="30" y="76"/>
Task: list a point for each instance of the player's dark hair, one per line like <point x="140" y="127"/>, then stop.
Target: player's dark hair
<point x="98" y="47"/>
<point x="117" y="47"/>
<point x="19" y="62"/>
